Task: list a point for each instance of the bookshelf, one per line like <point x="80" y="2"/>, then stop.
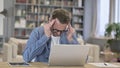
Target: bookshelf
<point x="29" y="14"/>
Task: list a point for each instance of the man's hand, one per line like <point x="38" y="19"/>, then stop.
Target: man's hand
<point x="47" y="27"/>
<point x="70" y="32"/>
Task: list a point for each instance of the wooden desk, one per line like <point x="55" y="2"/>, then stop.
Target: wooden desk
<point x="44" y="65"/>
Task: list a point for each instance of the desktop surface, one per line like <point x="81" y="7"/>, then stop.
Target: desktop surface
<point x="45" y="65"/>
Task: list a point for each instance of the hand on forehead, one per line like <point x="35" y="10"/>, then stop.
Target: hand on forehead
<point x="57" y="21"/>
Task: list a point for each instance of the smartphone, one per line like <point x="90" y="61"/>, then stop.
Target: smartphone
<point x="19" y="64"/>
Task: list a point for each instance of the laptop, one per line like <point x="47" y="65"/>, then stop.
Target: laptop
<point x="64" y="54"/>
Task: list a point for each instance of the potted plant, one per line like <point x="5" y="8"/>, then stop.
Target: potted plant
<point x="113" y="31"/>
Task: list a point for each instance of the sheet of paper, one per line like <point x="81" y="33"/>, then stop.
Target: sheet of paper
<point x="104" y="65"/>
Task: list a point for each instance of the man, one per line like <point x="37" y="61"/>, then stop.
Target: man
<point x="57" y="31"/>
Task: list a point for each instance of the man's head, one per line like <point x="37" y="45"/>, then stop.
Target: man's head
<point x="62" y="15"/>
<point x="62" y="18"/>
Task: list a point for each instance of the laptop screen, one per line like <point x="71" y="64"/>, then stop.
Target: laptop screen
<point x="64" y="54"/>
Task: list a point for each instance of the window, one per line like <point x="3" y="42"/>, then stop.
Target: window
<point x="117" y="11"/>
<point x="102" y="16"/>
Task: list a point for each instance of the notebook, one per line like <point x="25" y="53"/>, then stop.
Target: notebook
<point x="64" y="54"/>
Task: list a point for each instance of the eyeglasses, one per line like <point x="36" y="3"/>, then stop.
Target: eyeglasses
<point x="56" y="30"/>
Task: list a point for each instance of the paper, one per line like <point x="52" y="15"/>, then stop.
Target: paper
<point x="106" y="65"/>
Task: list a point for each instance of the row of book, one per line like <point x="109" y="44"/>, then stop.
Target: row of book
<point x="78" y="26"/>
<point x="28" y="25"/>
<point x="78" y="12"/>
<point x="22" y="33"/>
<point x="32" y="17"/>
<point x="33" y="10"/>
<point x="42" y="10"/>
<point x="77" y="19"/>
<point x="54" y="2"/>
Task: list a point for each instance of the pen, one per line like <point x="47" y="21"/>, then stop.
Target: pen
<point x="105" y="64"/>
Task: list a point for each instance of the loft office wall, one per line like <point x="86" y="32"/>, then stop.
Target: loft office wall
<point x="8" y="5"/>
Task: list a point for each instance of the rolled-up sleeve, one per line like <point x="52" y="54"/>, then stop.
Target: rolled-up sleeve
<point x="34" y="46"/>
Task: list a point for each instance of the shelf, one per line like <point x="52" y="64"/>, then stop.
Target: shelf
<point x="25" y="28"/>
<point x="23" y="4"/>
<point x="50" y="6"/>
<point x="22" y="37"/>
<point x="32" y="20"/>
<point x="33" y="13"/>
<point x="20" y="16"/>
<point x="76" y="7"/>
<point x="44" y="13"/>
<point x="29" y="4"/>
<point x="67" y="6"/>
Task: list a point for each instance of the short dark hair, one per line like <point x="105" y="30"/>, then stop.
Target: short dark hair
<point x="62" y="15"/>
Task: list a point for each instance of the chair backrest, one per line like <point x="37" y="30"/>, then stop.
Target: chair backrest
<point x="7" y="52"/>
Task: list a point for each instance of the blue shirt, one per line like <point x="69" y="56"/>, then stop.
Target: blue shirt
<point x="38" y="45"/>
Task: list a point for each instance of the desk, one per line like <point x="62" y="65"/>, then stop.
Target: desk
<point x="44" y="65"/>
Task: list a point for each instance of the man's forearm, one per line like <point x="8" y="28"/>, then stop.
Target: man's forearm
<point x="34" y="48"/>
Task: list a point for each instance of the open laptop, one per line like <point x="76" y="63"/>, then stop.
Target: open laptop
<point x="64" y="54"/>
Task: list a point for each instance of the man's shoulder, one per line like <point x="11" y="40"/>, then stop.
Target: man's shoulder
<point x="38" y="29"/>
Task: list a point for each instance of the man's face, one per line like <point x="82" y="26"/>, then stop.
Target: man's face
<point x="58" y="28"/>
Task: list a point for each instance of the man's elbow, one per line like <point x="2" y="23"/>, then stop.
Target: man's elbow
<point x="26" y="58"/>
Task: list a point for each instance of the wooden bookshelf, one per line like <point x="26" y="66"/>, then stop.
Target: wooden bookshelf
<point x="29" y="14"/>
